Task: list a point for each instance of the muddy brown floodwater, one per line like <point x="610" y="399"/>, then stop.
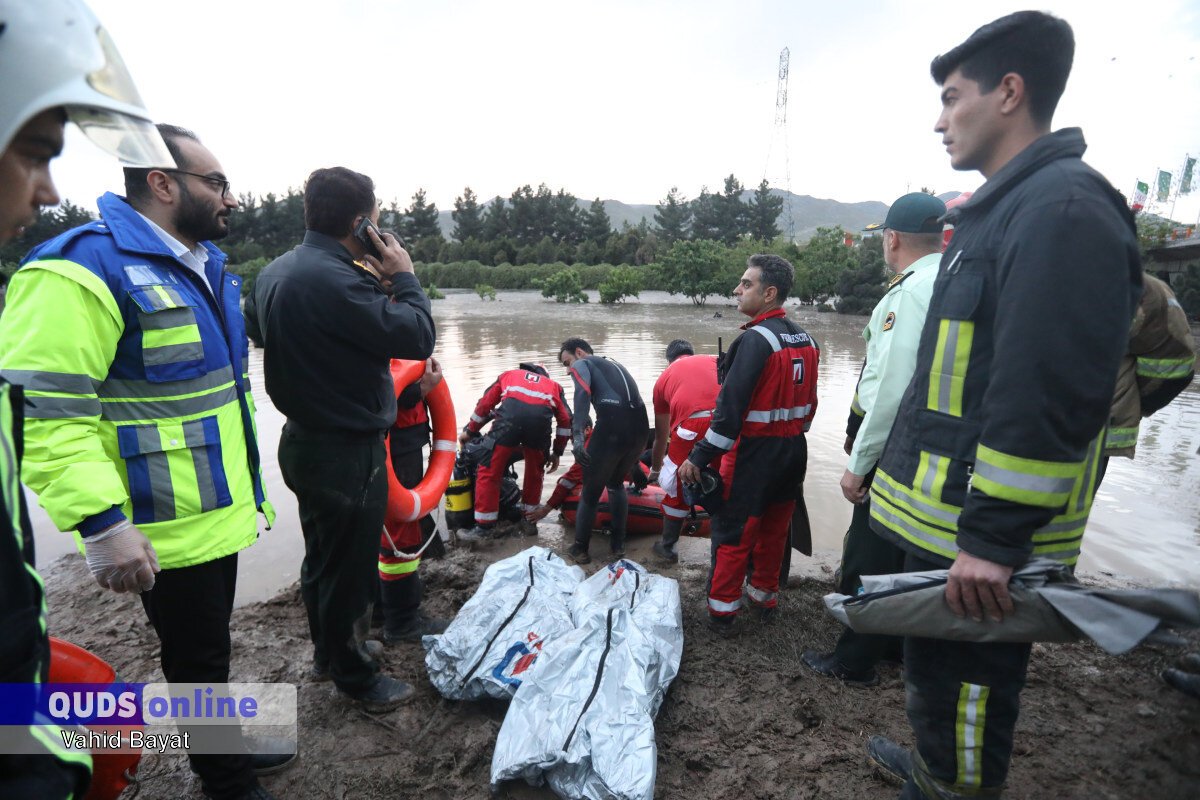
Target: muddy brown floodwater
<point x="1145" y="526"/>
<point x="744" y="718"/>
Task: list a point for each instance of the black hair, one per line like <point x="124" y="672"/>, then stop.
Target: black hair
<point x="334" y="198"/>
<point x="529" y="366"/>
<point x="137" y="191"/>
<point x="679" y="347"/>
<point x="775" y="271"/>
<point x="1037" y="46"/>
<point x="573" y="344"/>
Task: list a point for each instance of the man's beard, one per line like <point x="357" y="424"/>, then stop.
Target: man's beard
<point x="197" y="221"/>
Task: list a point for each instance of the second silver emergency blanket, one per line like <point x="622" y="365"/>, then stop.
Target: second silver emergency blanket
<point x="1050" y="607"/>
<point x="583" y="720"/>
<point x="521" y="604"/>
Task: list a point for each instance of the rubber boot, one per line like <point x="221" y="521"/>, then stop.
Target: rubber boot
<point x="403" y="620"/>
<point x="665" y="549"/>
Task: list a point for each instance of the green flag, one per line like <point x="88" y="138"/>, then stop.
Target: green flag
<point x="1164" y="186"/>
<point x="1185" y="183"/>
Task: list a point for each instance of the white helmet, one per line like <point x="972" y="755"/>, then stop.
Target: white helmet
<point x="54" y="54"/>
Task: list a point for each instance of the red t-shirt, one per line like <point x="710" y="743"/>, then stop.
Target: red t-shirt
<point x="688" y="385"/>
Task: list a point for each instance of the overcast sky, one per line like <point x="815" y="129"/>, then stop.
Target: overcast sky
<point x="619" y="99"/>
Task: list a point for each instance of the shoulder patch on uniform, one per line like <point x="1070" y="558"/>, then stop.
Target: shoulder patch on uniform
<point x="896" y="281"/>
<point x="889" y="321"/>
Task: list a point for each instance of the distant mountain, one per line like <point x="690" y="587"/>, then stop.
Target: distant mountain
<point x="808" y="213"/>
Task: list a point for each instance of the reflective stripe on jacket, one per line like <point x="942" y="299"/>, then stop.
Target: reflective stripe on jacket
<point x="998" y="437"/>
<point x="768" y="386"/>
<point x="1161" y="352"/>
<point x="137" y="387"/>
<point x="519" y="392"/>
<point x="26" y="658"/>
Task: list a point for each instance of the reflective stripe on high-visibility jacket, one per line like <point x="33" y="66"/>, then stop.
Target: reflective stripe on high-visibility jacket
<point x="950" y="366"/>
<point x="932" y="470"/>
<point x="1121" y="437"/>
<point x="1165" y="368"/>
<point x="1024" y="480"/>
<point x="140" y="395"/>
<point x="925" y="521"/>
<point x="916" y="519"/>
<point x="968" y="734"/>
<point x="29" y="642"/>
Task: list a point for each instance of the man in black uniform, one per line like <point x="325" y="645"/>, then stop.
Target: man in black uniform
<point x="617" y="440"/>
<point x="1016" y="366"/>
<point x="331" y="318"/>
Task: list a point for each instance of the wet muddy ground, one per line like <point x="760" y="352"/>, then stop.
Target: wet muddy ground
<point x="744" y="719"/>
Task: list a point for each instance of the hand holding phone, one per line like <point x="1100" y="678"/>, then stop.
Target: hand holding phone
<point x="362" y="233"/>
<point x="385" y="252"/>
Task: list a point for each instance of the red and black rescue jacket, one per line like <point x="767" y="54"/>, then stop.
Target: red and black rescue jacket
<point x="768" y="386"/>
<point x="521" y="392"/>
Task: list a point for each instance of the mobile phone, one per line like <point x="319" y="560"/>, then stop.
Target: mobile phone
<point x="364" y="238"/>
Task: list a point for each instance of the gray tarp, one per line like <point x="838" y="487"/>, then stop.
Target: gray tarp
<point x="583" y="720"/>
<point x="519" y="607"/>
<point x="1050" y="607"/>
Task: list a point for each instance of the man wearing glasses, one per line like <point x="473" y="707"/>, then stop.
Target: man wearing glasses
<point x="139" y="425"/>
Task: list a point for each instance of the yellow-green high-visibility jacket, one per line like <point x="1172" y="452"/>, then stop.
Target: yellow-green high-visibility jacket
<point x="24" y="645"/>
<point x="137" y="396"/>
<point x="998" y="438"/>
<point x="1159" y="364"/>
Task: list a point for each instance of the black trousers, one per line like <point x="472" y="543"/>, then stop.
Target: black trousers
<point x="400" y="600"/>
<point x="340" y="485"/>
<point x="865" y="552"/>
<point x="189" y="608"/>
<point x="963" y="699"/>
<point x="614" y="447"/>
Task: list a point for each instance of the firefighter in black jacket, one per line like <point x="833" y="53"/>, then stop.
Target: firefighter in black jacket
<point x="767" y="401"/>
<point x="993" y="458"/>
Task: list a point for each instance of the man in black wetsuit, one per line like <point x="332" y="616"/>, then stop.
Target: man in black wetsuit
<point x="616" y="442"/>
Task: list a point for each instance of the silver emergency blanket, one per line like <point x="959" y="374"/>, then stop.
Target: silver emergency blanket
<point x="583" y="721"/>
<point x="1050" y="606"/>
<point x="521" y="605"/>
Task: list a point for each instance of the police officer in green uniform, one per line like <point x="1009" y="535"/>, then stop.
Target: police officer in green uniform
<point x="912" y="247"/>
<point x="997" y="460"/>
<point x="42" y="90"/>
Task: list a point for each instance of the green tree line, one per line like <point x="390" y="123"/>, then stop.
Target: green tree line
<point x="539" y="239"/>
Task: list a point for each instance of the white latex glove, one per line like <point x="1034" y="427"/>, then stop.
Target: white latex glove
<point x="121" y="558"/>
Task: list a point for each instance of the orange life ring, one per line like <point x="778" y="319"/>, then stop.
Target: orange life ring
<point x="111" y="772"/>
<point x="406" y="505"/>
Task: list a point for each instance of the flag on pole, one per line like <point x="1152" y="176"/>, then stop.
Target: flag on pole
<point x="1185" y="183"/>
<point x="1139" y="196"/>
<point x="1164" y="186"/>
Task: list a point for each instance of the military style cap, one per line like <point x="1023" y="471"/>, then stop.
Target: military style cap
<point x="916" y="212"/>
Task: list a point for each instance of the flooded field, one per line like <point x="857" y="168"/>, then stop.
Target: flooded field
<point x="1145" y="527"/>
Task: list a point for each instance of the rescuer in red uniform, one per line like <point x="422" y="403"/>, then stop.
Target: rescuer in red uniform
<point x="522" y="404"/>
<point x="685" y="395"/>
<point x="767" y="401"/>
